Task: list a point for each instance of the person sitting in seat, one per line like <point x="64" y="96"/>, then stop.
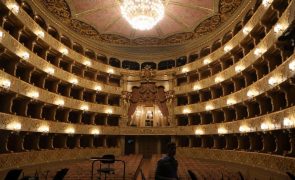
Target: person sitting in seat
<point x="167" y="166"/>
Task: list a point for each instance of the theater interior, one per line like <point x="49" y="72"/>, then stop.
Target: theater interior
<point x="96" y="89"/>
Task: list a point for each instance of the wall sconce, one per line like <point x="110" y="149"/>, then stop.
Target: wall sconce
<point x="84" y="107"/>
<point x="97" y="88"/>
<point x="209" y="107"/>
<point x="231" y="101"/>
<point x="43" y="129"/>
<point x="239" y="68"/>
<point x="186" y="111"/>
<point x="87" y="63"/>
<point x="218" y="79"/>
<point x="227" y="48"/>
<point x="196" y="87"/>
<point x="246" y="30"/>
<point x="1" y="35"/>
<point x="24" y="55"/>
<point x="287" y="122"/>
<point x="95" y="132"/>
<point x="15" y="126"/>
<point x="5" y="83"/>
<point x="110" y="71"/>
<point x="49" y="70"/>
<point x="258" y="51"/>
<point x="40" y="34"/>
<point x="59" y="102"/>
<point x="70" y="130"/>
<point x="292" y="65"/>
<point x="275" y="80"/>
<point x="33" y="94"/>
<point x="207" y="61"/>
<point x="267" y="126"/>
<point x="244" y="128"/>
<point x="14" y="7"/>
<point x="199" y="132"/>
<point x="64" y="51"/>
<point x="222" y="130"/>
<point x="278" y="28"/>
<point x="252" y="92"/>
<point x="267" y="3"/>
<point x="74" y="81"/>
<point x="109" y="111"/>
<point x="184" y="70"/>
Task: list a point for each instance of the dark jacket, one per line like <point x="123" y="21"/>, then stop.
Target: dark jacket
<point x="166" y="168"/>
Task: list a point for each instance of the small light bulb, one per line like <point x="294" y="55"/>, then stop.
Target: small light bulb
<point x="199" y="132"/>
<point x="5" y="83"/>
<point x="59" y="102"/>
<point x="207" y="61"/>
<point x="49" y="70"/>
<point x="239" y="68"/>
<point x="84" y="108"/>
<point x="109" y="111"/>
<point x="15" y="126"/>
<point x="209" y="107"/>
<point x="33" y="94"/>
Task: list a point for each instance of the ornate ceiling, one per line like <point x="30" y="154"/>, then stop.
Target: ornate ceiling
<point x="101" y="20"/>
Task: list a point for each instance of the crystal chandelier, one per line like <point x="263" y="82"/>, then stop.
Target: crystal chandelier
<point x="142" y="14"/>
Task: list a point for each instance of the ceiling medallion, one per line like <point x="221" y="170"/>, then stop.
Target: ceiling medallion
<point x="142" y="14"/>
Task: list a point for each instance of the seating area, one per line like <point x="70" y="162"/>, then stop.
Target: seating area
<point x="202" y="170"/>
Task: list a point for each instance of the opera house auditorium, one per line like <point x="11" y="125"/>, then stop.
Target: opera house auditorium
<point x="102" y="89"/>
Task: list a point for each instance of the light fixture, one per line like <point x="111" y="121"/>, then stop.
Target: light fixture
<point x="292" y="65"/>
<point x="222" y="130"/>
<point x="184" y="70"/>
<point x="267" y="3"/>
<point x="40" y="34"/>
<point x="33" y="94"/>
<point x="49" y="70"/>
<point x="196" y="87"/>
<point x="218" y="79"/>
<point x="87" y="63"/>
<point x="109" y="111"/>
<point x="244" y="128"/>
<point x="227" y="48"/>
<point x="267" y="126"/>
<point x="239" y="68"/>
<point x="231" y="101"/>
<point x="43" y="129"/>
<point x="209" y="107"/>
<point x="246" y="30"/>
<point x="95" y="132"/>
<point x="186" y="111"/>
<point x="74" y="81"/>
<point x="258" y="51"/>
<point x="199" y="132"/>
<point x="252" y="92"/>
<point x="275" y="80"/>
<point x="1" y="34"/>
<point x="64" y="51"/>
<point x="278" y="28"/>
<point x="287" y="122"/>
<point x="14" y="7"/>
<point x="97" y="88"/>
<point x="5" y="83"/>
<point x="207" y="61"/>
<point x="24" y="55"/>
<point x="59" y="102"/>
<point x="84" y="107"/>
<point x="15" y="126"/>
<point x="70" y="130"/>
<point x="110" y="71"/>
<point x="142" y="14"/>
